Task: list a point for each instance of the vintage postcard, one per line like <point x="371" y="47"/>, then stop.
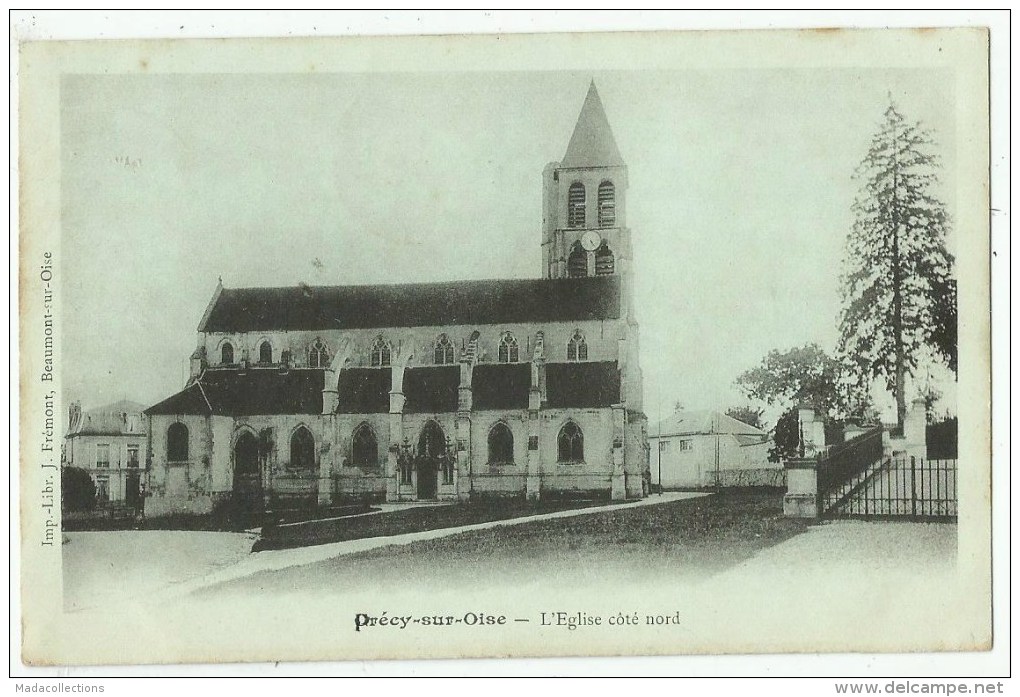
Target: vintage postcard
<point x="613" y="344"/>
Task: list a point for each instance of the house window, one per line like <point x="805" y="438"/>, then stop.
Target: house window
<point x="318" y="355"/>
<point x="509" y="351"/>
<point x="607" y="204"/>
<point x="227" y="353"/>
<point x="132" y="459"/>
<point x="605" y="262"/>
<point x="501" y="445"/>
<point x="103" y="456"/>
<point x="577" y="262"/>
<point x="443" y="353"/>
<point x="380" y="353"/>
<point x="577" y="348"/>
<point x="265" y="352"/>
<point x="575" y="205"/>
<point x="364" y="447"/>
<point x="663" y="446"/>
<point x="177" y="443"/>
<point x="102" y="489"/>
<point x="685" y="445"/>
<point x="570" y="443"/>
<point x="302" y="449"/>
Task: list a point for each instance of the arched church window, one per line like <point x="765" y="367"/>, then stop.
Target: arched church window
<point x="443" y="352"/>
<point x="380" y="353"/>
<point x="570" y="443"/>
<point x="577" y="347"/>
<point x="575" y="205"/>
<point x="577" y="262"/>
<point x="607" y="204"/>
<point x="265" y="352"/>
<point x="364" y="447"/>
<point x="227" y="352"/>
<point x="177" y="443"/>
<point x="501" y="445"/>
<point x="509" y="351"/>
<point x="302" y="449"/>
<point x="318" y="355"/>
<point x="605" y="261"/>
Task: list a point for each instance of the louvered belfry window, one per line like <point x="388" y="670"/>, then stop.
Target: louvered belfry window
<point x="577" y="262"/>
<point x="607" y="204"/>
<point x="575" y="205"/>
<point x="605" y="261"/>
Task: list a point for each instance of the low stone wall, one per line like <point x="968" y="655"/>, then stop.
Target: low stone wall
<point x="760" y="476"/>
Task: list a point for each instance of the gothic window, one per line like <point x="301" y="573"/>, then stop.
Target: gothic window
<point x="577" y="347"/>
<point x="509" y="351"/>
<point x="501" y="444"/>
<point x="318" y="355"/>
<point x="443" y="353"/>
<point x="605" y="261"/>
<point x="575" y="205"/>
<point x="380" y="353"/>
<point x="302" y="449"/>
<point x="227" y="353"/>
<point x="570" y="443"/>
<point x="607" y="204"/>
<point x="177" y="443"/>
<point x="265" y="352"/>
<point x="364" y="447"/>
<point x="577" y="262"/>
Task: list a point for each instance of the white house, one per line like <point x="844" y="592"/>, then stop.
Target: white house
<point x="698" y="449"/>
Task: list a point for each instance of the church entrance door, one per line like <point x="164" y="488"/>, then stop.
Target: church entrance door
<point x="247" y="496"/>
<point x="431" y="447"/>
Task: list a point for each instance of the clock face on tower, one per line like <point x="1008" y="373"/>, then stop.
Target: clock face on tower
<point x="591" y="240"/>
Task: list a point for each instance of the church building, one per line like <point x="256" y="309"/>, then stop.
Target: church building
<point x="425" y="391"/>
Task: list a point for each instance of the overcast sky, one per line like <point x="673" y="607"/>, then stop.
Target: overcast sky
<point x="739" y="201"/>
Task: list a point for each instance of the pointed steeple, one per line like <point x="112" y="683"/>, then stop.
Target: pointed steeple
<point x="592" y="144"/>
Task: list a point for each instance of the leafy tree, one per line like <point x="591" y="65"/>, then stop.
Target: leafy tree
<point x="800" y="374"/>
<point x="77" y="492"/>
<point x="897" y="293"/>
<point x="786" y="437"/>
<point x="748" y="415"/>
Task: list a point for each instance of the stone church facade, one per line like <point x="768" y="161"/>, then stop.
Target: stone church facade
<point x="428" y="391"/>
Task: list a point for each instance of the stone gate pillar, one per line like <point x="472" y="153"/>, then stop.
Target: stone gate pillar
<point x="801" y="499"/>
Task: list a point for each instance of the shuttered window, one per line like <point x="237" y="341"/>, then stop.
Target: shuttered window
<point x="575" y="205"/>
<point x="607" y="204"/>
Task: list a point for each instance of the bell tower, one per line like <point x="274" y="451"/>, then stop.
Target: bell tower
<point x="584" y="201"/>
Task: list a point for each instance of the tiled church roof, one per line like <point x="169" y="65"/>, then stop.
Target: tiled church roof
<point x="321" y="308"/>
<point x="500" y="386"/>
<point x="364" y="391"/>
<point x="431" y="389"/>
<point x="582" y="385"/>
<point x="255" y="391"/>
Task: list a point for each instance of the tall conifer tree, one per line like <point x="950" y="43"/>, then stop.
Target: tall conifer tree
<point x="897" y="292"/>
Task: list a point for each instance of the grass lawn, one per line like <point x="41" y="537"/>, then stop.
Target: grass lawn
<point x="690" y="539"/>
<point x="410" y="520"/>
